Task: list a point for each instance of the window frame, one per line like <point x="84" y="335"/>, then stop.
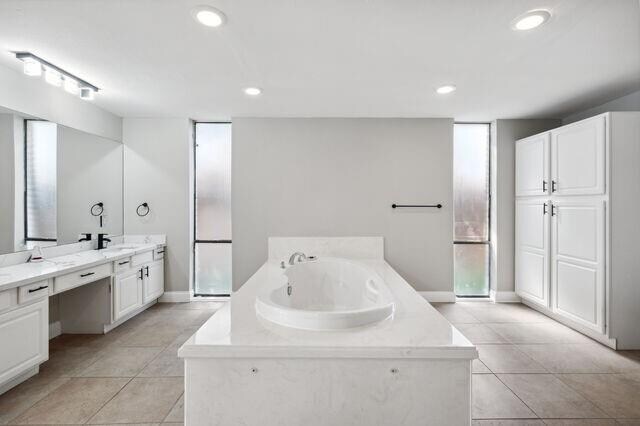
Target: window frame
<point x="486" y="242"/>
<point x="197" y="241"/>
<point x="25" y="214"/>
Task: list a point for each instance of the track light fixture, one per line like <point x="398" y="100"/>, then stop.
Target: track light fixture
<point x="34" y="66"/>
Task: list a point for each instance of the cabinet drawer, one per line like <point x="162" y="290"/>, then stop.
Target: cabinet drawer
<point x="159" y="253"/>
<point x="8" y="299"/>
<point x="122" y="265"/>
<point x="141" y="258"/>
<point x="33" y="291"/>
<point x="81" y="277"/>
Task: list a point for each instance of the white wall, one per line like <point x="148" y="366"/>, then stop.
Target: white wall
<point x="504" y="133"/>
<point x="7" y="183"/>
<point x="34" y="97"/>
<point x="89" y="171"/>
<point x="630" y="102"/>
<point x="157" y="169"/>
<point x="339" y="177"/>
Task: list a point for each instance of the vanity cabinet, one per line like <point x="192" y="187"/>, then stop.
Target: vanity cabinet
<point x="153" y="281"/>
<point x="136" y="287"/>
<point x="127" y="293"/>
<point x="24" y="333"/>
<point x="576" y="243"/>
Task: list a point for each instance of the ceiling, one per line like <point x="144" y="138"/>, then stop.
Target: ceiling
<point x="338" y="58"/>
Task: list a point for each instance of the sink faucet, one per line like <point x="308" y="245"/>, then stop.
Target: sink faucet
<point x="87" y="237"/>
<point x="299" y="255"/>
<point x="102" y="241"/>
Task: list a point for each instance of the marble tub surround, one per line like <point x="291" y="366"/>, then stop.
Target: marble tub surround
<point x="416" y="330"/>
<point x="414" y="365"/>
<point x="280" y="248"/>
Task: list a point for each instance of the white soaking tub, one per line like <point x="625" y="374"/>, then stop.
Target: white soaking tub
<point x="354" y="344"/>
<point x="326" y="294"/>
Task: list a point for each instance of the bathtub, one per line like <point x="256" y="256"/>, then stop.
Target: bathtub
<point x="326" y="294"/>
<point x="261" y="359"/>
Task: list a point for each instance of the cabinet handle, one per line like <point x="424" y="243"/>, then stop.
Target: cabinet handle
<point x="553" y="210"/>
<point x="553" y="186"/>
<point x="544" y="186"/>
<point x="141" y="273"/>
<point x="123" y="263"/>
<point x="544" y="208"/>
<point x="160" y="252"/>
<point x="42" y="287"/>
<point x="147" y="273"/>
<point x="87" y="274"/>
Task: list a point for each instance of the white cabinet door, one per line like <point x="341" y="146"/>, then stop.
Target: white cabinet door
<point x="577" y="267"/>
<point x="153" y="281"/>
<point x="578" y="158"/>
<point x="532" y="165"/>
<point x="532" y="250"/>
<point x="24" y="333"/>
<point x="127" y="293"/>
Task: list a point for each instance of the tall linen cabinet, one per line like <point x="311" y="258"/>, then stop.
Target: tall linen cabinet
<point x="577" y="229"/>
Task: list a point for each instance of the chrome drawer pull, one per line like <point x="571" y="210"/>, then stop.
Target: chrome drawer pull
<point x="42" y="287"/>
<point x="87" y="274"/>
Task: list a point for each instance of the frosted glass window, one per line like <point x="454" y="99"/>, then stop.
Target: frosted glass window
<point x="471" y="272"/>
<point x="471" y="209"/>
<point x="40" y="180"/>
<point x="212" y="209"/>
<point x="213" y="269"/>
<point x="471" y="182"/>
<point x="213" y="181"/>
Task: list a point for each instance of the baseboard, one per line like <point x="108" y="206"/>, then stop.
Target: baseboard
<point x="504" y="296"/>
<point x="438" y="296"/>
<point x="175" y="297"/>
<point x="55" y="329"/>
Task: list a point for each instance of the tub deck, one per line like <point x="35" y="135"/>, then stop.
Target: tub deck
<point x="411" y="369"/>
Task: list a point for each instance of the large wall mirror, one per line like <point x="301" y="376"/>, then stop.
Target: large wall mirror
<point x="56" y="183"/>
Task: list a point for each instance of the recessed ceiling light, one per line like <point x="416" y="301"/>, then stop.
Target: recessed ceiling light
<point x="448" y="88"/>
<point x="530" y="20"/>
<point x="209" y="16"/>
<point x="252" y="91"/>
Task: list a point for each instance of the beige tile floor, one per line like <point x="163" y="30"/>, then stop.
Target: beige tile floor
<point x="531" y="371"/>
<point x="535" y="371"/>
<point x="131" y="375"/>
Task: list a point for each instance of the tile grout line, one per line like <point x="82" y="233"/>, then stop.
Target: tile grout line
<point x="515" y="394"/>
<point x="108" y="401"/>
<point x="40" y="399"/>
<point x="171" y="409"/>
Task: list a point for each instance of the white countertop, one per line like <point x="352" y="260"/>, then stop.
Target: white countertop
<point x="26" y="273"/>
<point x="417" y="330"/>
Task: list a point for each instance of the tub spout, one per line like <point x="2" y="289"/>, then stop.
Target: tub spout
<point x="299" y="255"/>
